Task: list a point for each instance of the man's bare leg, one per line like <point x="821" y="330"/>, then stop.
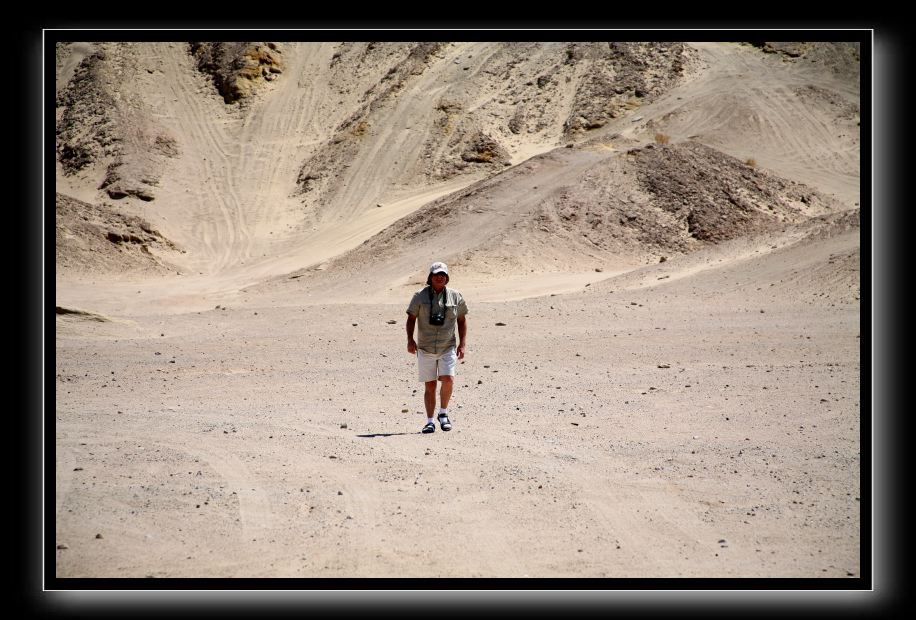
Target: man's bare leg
<point x="445" y="392"/>
<point x="429" y="399"/>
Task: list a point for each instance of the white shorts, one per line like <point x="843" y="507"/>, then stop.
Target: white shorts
<point x="432" y="365"/>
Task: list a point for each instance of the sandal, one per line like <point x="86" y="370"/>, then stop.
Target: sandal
<point x="444" y="422"/>
<point x="430" y="427"/>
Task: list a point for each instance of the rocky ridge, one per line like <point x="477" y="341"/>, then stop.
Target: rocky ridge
<point x="93" y="239"/>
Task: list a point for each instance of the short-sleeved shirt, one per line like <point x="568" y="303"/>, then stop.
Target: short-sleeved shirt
<point x="437" y="338"/>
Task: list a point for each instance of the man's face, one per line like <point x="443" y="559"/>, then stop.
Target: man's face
<point x="438" y="280"/>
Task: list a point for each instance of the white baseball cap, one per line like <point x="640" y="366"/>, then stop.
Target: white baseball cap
<point x="437" y="267"/>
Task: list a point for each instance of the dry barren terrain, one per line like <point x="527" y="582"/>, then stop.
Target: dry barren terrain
<point x="659" y="247"/>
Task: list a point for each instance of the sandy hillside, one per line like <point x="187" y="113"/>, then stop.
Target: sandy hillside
<point x="659" y="245"/>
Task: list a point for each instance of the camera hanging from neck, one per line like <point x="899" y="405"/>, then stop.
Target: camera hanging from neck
<point x="435" y="316"/>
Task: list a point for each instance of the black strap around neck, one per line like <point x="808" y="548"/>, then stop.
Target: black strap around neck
<point x="431" y="298"/>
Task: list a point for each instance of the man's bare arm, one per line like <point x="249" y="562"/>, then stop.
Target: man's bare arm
<point x="411" y="343"/>
<point x="462" y="335"/>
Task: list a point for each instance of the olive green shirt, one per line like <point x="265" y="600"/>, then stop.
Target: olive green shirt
<point x="436" y="339"/>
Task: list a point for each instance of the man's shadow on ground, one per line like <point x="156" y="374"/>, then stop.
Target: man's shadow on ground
<point x="387" y="434"/>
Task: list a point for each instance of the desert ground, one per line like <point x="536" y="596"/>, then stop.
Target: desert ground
<point x="658" y="244"/>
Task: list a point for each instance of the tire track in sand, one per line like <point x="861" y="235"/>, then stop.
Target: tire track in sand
<point x="256" y="512"/>
<point x="276" y="129"/>
<point x="206" y="159"/>
<point x="653" y="526"/>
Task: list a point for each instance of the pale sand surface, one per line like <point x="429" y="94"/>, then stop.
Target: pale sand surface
<point x="212" y="442"/>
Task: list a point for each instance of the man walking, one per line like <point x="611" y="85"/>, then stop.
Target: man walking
<point x="436" y="310"/>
